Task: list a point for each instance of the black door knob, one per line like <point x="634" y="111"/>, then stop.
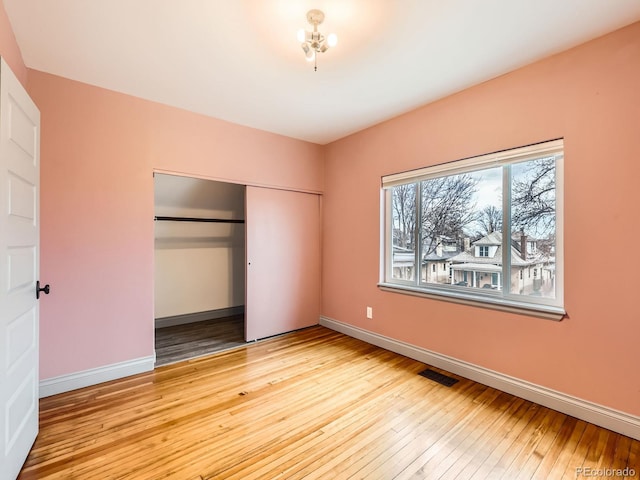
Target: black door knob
<point x="46" y="289"/>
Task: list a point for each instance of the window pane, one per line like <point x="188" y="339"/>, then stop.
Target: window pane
<point x="403" y="218"/>
<point x="533" y="227"/>
<point x="461" y="229"/>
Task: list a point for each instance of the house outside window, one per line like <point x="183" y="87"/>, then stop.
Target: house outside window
<point x="485" y="220"/>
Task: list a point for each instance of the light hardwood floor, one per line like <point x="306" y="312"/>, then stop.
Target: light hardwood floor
<point x="311" y="404"/>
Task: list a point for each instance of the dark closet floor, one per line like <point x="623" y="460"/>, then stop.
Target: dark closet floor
<point x="190" y="340"/>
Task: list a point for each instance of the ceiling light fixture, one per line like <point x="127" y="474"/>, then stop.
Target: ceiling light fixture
<point x="314" y="42"/>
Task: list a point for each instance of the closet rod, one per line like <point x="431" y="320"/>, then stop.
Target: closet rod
<point x="194" y="219"/>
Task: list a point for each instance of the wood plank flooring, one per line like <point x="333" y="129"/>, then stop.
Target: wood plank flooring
<point x="181" y="342"/>
<point x="311" y="404"/>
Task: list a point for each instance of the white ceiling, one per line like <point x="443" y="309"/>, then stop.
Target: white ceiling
<point x="239" y="60"/>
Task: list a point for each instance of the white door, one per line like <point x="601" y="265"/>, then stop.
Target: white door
<point x="19" y="268"/>
<point x="283" y="261"/>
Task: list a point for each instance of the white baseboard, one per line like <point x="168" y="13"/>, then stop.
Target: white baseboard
<point x="93" y="376"/>
<point x="198" y="316"/>
<point x="600" y="415"/>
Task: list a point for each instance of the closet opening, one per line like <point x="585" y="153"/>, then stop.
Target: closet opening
<point x="199" y="267"/>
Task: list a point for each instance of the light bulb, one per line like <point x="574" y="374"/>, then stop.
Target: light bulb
<point x="309" y="53"/>
<point x="332" y="40"/>
<point x="301" y="35"/>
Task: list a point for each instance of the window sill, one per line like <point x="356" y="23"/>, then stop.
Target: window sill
<point x="521" y="308"/>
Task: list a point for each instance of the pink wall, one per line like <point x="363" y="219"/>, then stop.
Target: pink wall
<point x="588" y="95"/>
<point x="98" y="151"/>
<point x="9" y="49"/>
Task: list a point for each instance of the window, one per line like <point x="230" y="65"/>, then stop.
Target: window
<point x="498" y="215"/>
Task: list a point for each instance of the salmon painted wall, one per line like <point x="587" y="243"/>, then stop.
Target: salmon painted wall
<point x="590" y="96"/>
<point x="98" y="151"/>
<point x="9" y="49"/>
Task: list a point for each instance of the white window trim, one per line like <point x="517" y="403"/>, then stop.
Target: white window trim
<point x="545" y="308"/>
<point x="521" y="308"/>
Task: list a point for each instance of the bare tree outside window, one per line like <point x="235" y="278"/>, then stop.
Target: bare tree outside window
<point x="448" y="207"/>
<point x="533" y="197"/>
<point x="404" y="215"/>
<point x="403" y="218"/>
<point x="489" y="220"/>
<point x="533" y="221"/>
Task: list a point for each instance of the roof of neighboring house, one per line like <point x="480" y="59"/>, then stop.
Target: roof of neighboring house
<point x="480" y="267"/>
<point x="403" y="257"/>
<point x="434" y="257"/>
<point x="447" y="246"/>
<point x="494" y="238"/>
<point x="516" y="260"/>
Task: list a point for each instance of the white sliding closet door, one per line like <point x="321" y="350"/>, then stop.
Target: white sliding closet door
<point x="283" y="261"/>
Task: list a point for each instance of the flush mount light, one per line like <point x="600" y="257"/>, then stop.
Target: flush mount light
<point x="315" y="42"/>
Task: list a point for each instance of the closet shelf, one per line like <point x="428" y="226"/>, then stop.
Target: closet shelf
<point x="196" y="219"/>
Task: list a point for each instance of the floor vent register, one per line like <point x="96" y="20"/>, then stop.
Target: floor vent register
<point x="439" y="377"/>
